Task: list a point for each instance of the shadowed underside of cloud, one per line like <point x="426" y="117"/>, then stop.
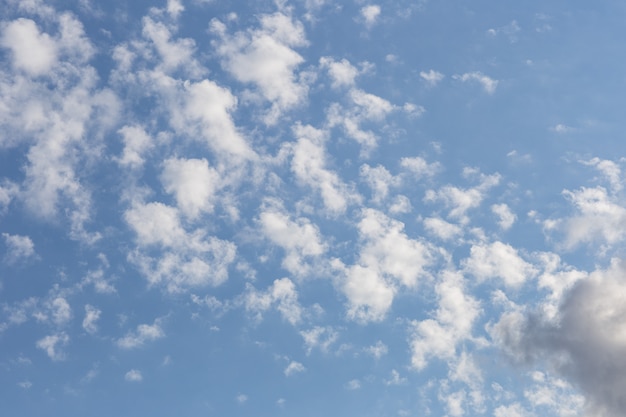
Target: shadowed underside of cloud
<point x="586" y="342"/>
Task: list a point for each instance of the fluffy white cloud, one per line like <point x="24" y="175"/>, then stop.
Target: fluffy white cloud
<point x="419" y="167"/>
<point x="192" y="182"/>
<point x="188" y="259"/>
<point x="363" y="107"/>
<point x="92" y="315"/>
<point x="33" y="51"/>
<point x="442" y="229"/>
<point x="174" y="53"/>
<point x="342" y="73"/>
<point x="460" y="200"/>
<point x="309" y="166"/>
<point x="488" y="83"/>
<point x="136" y="143"/>
<point x="61" y="311"/>
<point x="17" y="248"/>
<point x="294" y="368"/>
<point x="264" y="57"/>
<point x="206" y="110"/>
<point x="282" y="294"/>
<point x="498" y="260"/>
<point x="8" y="191"/>
<point x="61" y="119"/>
<point x="155" y="224"/>
<point x="432" y="77"/>
<point x="379" y="180"/>
<point x="599" y="218"/>
<point x="611" y="171"/>
<point x="452" y="323"/>
<point x="388" y="260"/>
<point x="144" y="333"/>
<point x="506" y="217"/>
<point x="300" y="239"/>
<point x="319" y="338"/>
<point x="377" y="350"/>
<point x="53" y="345"/>
<point x="370" y="14"/>
<point x="133" y="376"/>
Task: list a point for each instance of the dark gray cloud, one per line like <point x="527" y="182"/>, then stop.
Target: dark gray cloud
<point x="585" y="344"/>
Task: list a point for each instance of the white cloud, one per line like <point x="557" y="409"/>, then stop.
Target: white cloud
<point x="53" y="345"/>
<point x="432" y="77"/>
<point x="442" y="229"/>
<point x="136" y="143"/>
<point x="309" y="166"/>
<point x="377" y="350"/>
<point x="319" y="338"/>
<point x="92" y="315"/>
<point x="282" y="294"/>
<point x="8" y="191"/>
<point x="460" y="200"/>
<point x="512" y="410"/>
<point x="294" y="368"/>
<point x="498" y="260"/>
<point x="342" y="73"/>
<point x="400" y="205"/>
<point x="175" y="8"/>
<point x="61" y="311"/>
<point x="17" y="248"/>
<point x="379" y="180"/>
<point x="188" y="259"/>
<point x="133" y="376"/>
<point x="561" y="128"/>
<point x="610" y="170"/>
<point x="599" y="218"/>
<point x="388" y="260"/>
<point x="452" y="323"/>
<point x="61" y="121"/>
<point x="175" y="54"/>
<point x="488" y="83"/>
<point x="192" y="182"/>
<point x="363" y="107"/>
<point x="144" y="333"/>
<point x="206" y="111"/>
<point x="33" y="51"/>
<point x="455" y="403"/>
<point x="300" y="239"/>
<point x="155" y="224"/>
<point x="506" y="217"/>
<point x="510" y="30"/>
<point x="369" y="295"/>
<point x="370" y="14"/>
<point x="353" y="385"/>
<point x="264" y="57"/>
<point x="419" y="167"/>
<point x="395" y="379"/>
<point x="241" y="398"/>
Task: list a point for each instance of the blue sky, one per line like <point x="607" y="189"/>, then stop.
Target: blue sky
<point x="303" y="208"/>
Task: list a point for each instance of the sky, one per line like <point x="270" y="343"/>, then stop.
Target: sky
<point x="312" y="208"/>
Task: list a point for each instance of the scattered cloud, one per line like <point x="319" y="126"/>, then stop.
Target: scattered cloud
<point x="488" y="83"/>
<point x="143" y="334"/>
<point x="432" y="77"/>
<point x="294" y="368"/>
<point x="92" y="315"/>
<point x="133" y="376"/>
<point x="370" y="14"/>
<point x="18" y="248"/>
<point x="53" y="345"/>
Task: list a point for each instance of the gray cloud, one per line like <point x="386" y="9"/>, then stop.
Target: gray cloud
<point x="586" y="343"/>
